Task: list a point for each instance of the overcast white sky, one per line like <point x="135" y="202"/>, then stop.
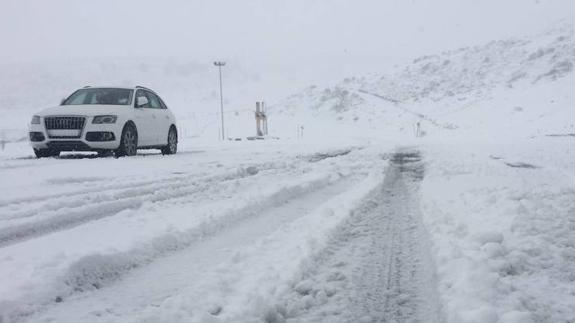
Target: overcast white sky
<point x="344" y="34"/>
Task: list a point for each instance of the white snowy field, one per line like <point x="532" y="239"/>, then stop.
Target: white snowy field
<point x="269" y="231"/>
<point x="358" y="221"/>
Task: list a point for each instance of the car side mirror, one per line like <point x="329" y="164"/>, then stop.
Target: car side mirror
<point x="141" y="101"/>
<point x="62" y="101"/>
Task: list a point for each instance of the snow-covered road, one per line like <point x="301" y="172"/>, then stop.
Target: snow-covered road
<point x="378" y="265"/>
<point x="105" y="239"/>
<point x="272" y="231"/>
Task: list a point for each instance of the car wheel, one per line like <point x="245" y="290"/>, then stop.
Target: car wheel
<point x="128" y="142"/>
<point x="172" y="146"/>
<point x="42" y="153"/>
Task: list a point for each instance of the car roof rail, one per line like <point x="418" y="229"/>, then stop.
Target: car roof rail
<point x="87" y="86"/>
<point x="144" y="88"/>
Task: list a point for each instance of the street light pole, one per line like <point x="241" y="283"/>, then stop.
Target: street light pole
<point x="219" y="65"/>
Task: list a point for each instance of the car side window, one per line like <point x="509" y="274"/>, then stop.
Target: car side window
<point x="141" y="93"/>
<point x="163" y="104"/>
<point x="154" y="100"/>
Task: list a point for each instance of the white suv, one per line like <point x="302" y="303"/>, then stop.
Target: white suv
<point x="105" y="120"/>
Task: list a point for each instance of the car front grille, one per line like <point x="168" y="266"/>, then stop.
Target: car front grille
<point x="64" y="123"/>
<point x="64" y="127"/>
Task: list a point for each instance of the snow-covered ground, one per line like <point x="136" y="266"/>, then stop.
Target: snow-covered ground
<point x="501" y="218"/>
<point x="358" y="221"/>
<point x="81" y="226"/>
<point x="275" y="230"/>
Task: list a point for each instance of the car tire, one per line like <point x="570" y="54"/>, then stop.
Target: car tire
<point x="42" y="153"/>
<point x="128" y="142"/>
<point x="172" y="147"/>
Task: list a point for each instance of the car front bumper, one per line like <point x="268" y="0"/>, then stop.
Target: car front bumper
<point x="92" y="137"/>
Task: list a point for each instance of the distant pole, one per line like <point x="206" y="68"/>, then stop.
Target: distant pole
<point x="219" y="65"/>
<point x="417" y="129"/>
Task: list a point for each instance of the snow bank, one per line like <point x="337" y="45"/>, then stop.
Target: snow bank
<point x="503" y="236"/>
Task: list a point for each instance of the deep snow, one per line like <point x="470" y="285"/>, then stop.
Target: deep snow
<point x="501" y="217"/>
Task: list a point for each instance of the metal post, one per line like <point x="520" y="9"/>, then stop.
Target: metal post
<point x="265" y="125"/>
<point x="219" y="65"/>
<point x="258" y="119"/>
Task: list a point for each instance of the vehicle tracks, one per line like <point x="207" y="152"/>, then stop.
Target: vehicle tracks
<point x="64" y="212"/>
<point x="159" y="182"/>
<point x="377" y="267"/>
<point x="184" y="256"/>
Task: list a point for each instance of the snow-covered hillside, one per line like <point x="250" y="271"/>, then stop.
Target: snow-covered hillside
<point x="516" y="87"/>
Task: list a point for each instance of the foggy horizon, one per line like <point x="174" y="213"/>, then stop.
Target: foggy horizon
<point x="266" y="35"/>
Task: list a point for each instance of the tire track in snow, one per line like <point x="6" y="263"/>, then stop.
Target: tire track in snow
<point x="75" y="213"/>
<point x="160" y="182"/>
<point x="85" y="207"/>
<point x="122" y="192"/>
<point x="179" y="180"/>
<point x="99" y="272"/>
<point x="378" y="266"/>
<point x="389" y="287"/>
<point x="85" y="191"/>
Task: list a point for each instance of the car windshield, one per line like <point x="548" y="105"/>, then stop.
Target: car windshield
<point x="100" y="96"/>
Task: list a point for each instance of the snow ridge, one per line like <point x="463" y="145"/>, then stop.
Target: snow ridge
<point x="439" y="90"/>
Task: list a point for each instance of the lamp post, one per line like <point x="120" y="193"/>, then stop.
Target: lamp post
<point x="219" y="65"/>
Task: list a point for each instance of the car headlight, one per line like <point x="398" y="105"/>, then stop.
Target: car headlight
<point x="104" y="119"/>
<point x="35" y="120"/>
